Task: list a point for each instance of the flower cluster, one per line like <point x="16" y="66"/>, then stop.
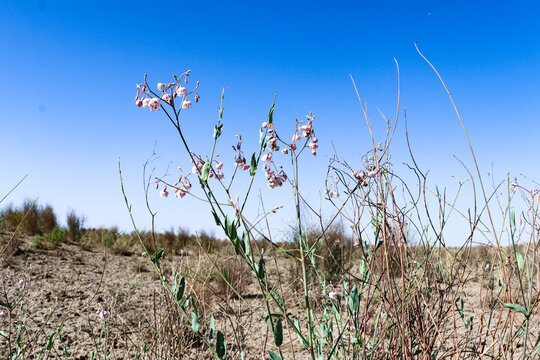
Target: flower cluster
<point x="274" y="179"/>
<point x="239" y="158"/>
<point x="166" y="92"/>
<point x="363" y="175"/>
<point x="181" y="187"/>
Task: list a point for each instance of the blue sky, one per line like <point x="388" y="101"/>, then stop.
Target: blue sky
<point x="69" y="71"/>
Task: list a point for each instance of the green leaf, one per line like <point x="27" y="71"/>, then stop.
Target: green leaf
<point x="212" y="327"/>
<point x="247" y="243"/>
<point x="194" y="322"/>
<point x="260" y="269"/>
<point x="274" y="356"/>
<point x="218" y="128"/>
<point x="158" y="255"/>
<point x="216" y="218"/>
<point x="513" y="221"/>
<point x="253" y="166"/>
<point x="278" y="333"/>
<point x="50" y="342"/>
<point x="221" y="345"/>
<point x="205" y="171"/>
<point x="271" y="112"/>
<point x="518" y="308"/>
<point x="354" y="299"/>
<point x="519" y="260"/>
<point x="181" y="287"/>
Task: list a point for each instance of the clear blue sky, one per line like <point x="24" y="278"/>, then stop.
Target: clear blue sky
<point x="69" y="70"/>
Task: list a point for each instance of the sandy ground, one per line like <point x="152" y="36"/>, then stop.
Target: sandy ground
<point x="70" y="287"/>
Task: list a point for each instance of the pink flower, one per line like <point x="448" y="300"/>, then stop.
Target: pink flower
<point x="102" y="314"/>
<point x="334" y="194"/>
<point x="264" y="125"/>
<point x="164" y="192"/>
<point x="219" y="165"/>
<point x="180" y="193"/>
<point x="195" y="169"/>
<point x="22" y="282"/>
<point x="296" y="137"/>
<point x="181" y="91"/>
<point x="372" y="173"/>
<point x="153" y="104"/>
<point x="267" y="157"/>
<point x="186" y="185"/>
<point x="160" y="86"/>
<point x="2" y="313"/>
<point x="219" y="175"/>
<point x="332" y="295"/>
<point x="139" y="102"/>
<point x="167" y="98"/>
<point x="146" y="102"/>
<point x="245" y="167"/>
<point x="186" y="104"/>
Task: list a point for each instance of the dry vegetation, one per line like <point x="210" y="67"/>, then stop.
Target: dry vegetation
<point x="375" y="281"/>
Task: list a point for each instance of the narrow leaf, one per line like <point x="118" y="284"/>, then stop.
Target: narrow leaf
<point x="181" y="287"/>
<point x="517" y="308"/>
<point x="519" y="260"/>
<point x="274" y="356"/>
<point x="194" y="322"/>
<point x="278" y="333"/>
<point x="212" y="327"/>
<point x="253" y="166"/>
<point x="221" y="345"/>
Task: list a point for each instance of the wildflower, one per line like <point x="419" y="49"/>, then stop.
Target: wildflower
<point x="264" y="125"/>
<point x="146" y="102"/>
<point x="332" y="295"/>
<point x="22" y="281"/>
<point x="285" y="151"/>
<point x="181" y="91"/>
<point x="2" y="313"/>
<point x="313" y="146"/>
<point x="153" y="104"/>
<point x="219" y="165"/>
<point x="186" y="185"/>
<point x="267" y="157"/>
<point x="296" y="137"/>
<point x="167" y="98"/>
<point x="245" y="167"/>
<point x="180" y="193"/>
<point x="186" y="104"/>
<point x="102" y="314"/>
<point x="161" y="87"/>
<point x="196" y="169"/>
<point x="219" y="175"/>
<point x="164" y="192"/>
<point x="139" y="102"/>
<point x="334" y="194"/>
<point x="372" y="173"/>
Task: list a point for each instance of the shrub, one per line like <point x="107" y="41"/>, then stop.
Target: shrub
<point x="47" y="219"/>
<point x="56" y="236"/>
<point x="30" y="223"/>
<point x="75" y="225"/>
